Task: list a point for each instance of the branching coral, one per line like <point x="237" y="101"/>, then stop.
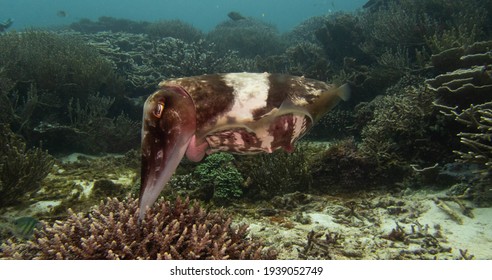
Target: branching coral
<point x="179" y="230"/>
<point x="46" y="71"/>
<point x="399" y="24"/>
<point x="341" y="37"/>
<point x="249" y="37"/>
<point x="144" y="60"/>
<point x="21" y="170"/>
<point x="302" y="59"/>
<point x="402" y="130"/>
<point x="464" y="95"/>
<point x="478" y="118"/>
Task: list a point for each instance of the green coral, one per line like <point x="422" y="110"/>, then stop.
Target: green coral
<point x="278" y="173"/>
<point x="218" y="172"/>
<point x="21" y="170"/>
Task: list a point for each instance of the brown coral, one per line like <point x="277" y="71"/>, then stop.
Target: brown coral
<point x="21" y="169"/>
<point x="111" y="230"/>
<point x="479" y="140"/>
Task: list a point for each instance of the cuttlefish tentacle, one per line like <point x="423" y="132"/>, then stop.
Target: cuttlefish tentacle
<point x="241" y="113"/>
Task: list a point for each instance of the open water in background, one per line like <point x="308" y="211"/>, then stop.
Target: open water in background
<point x="203" y="14"/>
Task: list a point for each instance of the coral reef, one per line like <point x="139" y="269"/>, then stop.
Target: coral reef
<point x="268" y="175"/>
<point x="174" y="28"/>
<point x="302" y="59"/>
<point x="249" y="37"/>
<point x="403" y="129"/>
<point x="479" y="141"/>
<point x="218" y="175"/>
<point x="106" y="23"/>
<point x="43" y="73"/>
<point x="144" y="61"/>
<point x="341" y="37"/>
<point x="464" y="95"/>
<point x="342" y="167"/>
<point x="470" y="82"/>
<point x="305" y="32"/>
<point x="21" y="170"/>
<point x="179" y="230"/>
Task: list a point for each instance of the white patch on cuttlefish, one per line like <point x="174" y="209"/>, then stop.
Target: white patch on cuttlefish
<point x="250" y="93"/>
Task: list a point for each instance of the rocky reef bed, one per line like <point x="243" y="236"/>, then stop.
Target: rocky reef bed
<point x="371" y="225"/>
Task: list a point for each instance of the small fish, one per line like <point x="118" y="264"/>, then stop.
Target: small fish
<point x="235" y="16"/>
<point x="24" y="226"/>
<point x="61" y="13"/>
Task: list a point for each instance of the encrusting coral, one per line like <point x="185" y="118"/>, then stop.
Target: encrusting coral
<point x="179" y="230"/>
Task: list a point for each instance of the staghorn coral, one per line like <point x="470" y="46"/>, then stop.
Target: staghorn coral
<point x="21" y="170"/>
<point x="464" y="95"/>
<point x="403" y="129"/>
<point x="478" y="140"/>
<point x="179" y="230"/>
<point x="144" y="60"/>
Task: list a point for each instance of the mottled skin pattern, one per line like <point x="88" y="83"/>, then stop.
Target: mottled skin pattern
<point x="238" y="112"/>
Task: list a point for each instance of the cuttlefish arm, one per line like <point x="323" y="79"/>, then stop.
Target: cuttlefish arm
<point x="241" y="113"/>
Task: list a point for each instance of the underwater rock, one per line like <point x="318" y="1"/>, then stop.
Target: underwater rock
<point x="106" y="188"/>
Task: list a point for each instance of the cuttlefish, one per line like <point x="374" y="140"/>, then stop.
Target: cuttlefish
<point x="242" y="113"/>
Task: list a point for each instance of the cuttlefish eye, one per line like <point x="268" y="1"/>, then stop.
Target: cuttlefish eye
<point x="158" y="110"/>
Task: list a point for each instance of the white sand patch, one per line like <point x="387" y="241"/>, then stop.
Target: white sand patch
<point x="71" y="158"/>
<point x="85" y="185"/>
<point x="475" y="234"/>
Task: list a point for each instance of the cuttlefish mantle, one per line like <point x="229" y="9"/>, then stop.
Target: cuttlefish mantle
<point x="241" y="113"/>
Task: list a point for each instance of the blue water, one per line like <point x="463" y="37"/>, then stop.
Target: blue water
<point x="203" y="14"/>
